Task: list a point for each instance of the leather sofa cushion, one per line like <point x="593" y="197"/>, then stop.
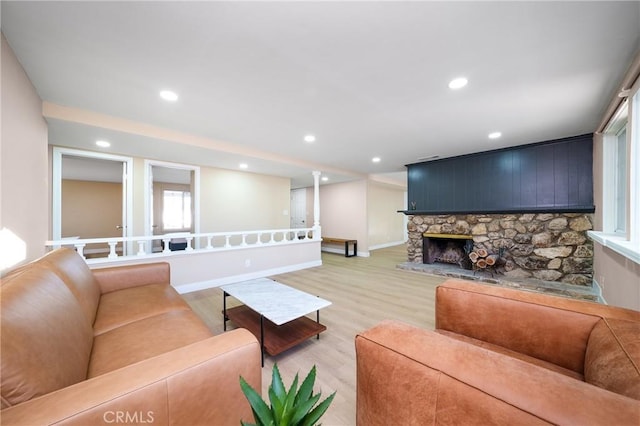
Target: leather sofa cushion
<point x="124" y="306"/>
<point x="46" y="338"/>
<point x="613" y="357"/>
<point x="76" y="274"/>
<point x="144" y="339"/>
<point x="513" y="354"/>
<point x="122" y="277"/>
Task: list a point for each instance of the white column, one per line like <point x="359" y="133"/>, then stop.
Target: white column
<point x="316" y="204"/>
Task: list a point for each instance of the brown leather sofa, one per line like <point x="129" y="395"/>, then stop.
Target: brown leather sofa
<point x="502" y="356"/>
<point x="115" y="346"/>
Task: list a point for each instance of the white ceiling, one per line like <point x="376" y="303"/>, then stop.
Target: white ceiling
<point x="366" y="78"/>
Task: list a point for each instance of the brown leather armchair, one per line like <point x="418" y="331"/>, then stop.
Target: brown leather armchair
<point x="502" y="356"/>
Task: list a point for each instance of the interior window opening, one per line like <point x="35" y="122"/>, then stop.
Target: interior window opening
<point x="176" y="212"/>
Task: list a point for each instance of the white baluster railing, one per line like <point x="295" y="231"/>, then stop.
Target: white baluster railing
<point x="210" y="241"/>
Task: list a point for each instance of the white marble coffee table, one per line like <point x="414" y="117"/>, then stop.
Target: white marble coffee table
<point x="284" y="307"/>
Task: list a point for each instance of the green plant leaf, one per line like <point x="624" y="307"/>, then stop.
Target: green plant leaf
<point x="289" y="403"/>
<point x="317" y="412"/>
<point x="306" y="388"/>
<point x="303" y="409"/>
<point x="261" y="413"/>
<point x="288" y="408"/>
<point x="277" y="385"/>
<point x="293" y="390"/>
<point x="277" y="407"/>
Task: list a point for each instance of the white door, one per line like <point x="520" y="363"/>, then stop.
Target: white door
<point x="299" y="208"/>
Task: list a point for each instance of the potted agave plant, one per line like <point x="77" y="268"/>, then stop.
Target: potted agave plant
<point x="296" y="407"/>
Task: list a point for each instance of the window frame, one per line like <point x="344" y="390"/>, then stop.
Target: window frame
<point x="626" y="243"/>
<point x="633" y="150"/>
<point x="610" y="170"/>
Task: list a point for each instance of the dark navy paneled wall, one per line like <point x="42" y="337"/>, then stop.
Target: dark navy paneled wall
<point x="553" y="176"/>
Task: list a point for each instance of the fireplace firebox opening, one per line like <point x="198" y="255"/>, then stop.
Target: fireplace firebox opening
<point x="447" y="248"/>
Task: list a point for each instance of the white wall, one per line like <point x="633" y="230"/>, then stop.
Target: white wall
<point x="310" y="205"/>
<point x="206" y="269"/>
<point x="385" y="224"/>
<point x="343" y="212"/>
<point x="617" y="276"/>
<point x="138" y="196"/>
<point x="23" y="160"/>
<point x="365" y="210"/>
<point x="238" y="201"/>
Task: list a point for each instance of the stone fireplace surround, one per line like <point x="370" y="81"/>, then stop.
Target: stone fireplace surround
<point x="545" y="246"/>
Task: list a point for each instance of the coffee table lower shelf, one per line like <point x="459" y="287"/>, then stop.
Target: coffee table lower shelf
<point x="277" y="338"/>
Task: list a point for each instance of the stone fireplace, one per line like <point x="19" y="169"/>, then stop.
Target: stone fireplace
<point x="545" y="246"/>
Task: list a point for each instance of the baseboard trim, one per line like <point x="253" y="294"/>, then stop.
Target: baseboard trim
<point x="598" y="289"/>
<point x="364" y="253"/>
<point x="203" y="285"/>
<point x="386" y="245"/>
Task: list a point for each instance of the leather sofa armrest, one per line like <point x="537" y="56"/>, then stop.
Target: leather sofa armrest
<point x="120" y="277"/>
<point x="417" y="376"/>
<point x="196" y="384"/>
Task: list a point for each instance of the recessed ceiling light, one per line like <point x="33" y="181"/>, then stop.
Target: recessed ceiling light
<point x="309" y="138"/>
<point x="376" y="159"/>
<point x="169" y="95"/>
<point x="103" y="144"/>
<point x="243" y="166"/>
<point x="324" y="178"/>
<point x="495" y="135"/>
<point x="458" y="83"/>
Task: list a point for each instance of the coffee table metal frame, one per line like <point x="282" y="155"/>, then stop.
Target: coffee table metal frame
<point x="285" y="309"/>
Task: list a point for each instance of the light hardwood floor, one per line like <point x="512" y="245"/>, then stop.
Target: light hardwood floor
<point x="363" y="292"/>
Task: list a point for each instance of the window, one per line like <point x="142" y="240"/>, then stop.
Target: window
<point x="176" y="210"/>
<point x="621" y="181"/>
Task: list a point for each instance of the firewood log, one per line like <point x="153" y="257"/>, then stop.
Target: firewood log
<point x="481" y="263"/>
<point x="473" y="256"/>
<point x="491" y="259"/>
<point x="482" y="252"/>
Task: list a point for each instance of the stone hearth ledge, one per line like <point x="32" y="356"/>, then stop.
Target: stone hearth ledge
<point x="579" y="292"/>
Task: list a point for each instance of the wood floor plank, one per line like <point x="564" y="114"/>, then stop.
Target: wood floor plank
<point x="363" y="292"/>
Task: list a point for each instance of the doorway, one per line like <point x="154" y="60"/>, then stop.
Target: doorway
<point x="91" y="198"/>
<point x="298" y="208"/>
<point x="171" y="200"/>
